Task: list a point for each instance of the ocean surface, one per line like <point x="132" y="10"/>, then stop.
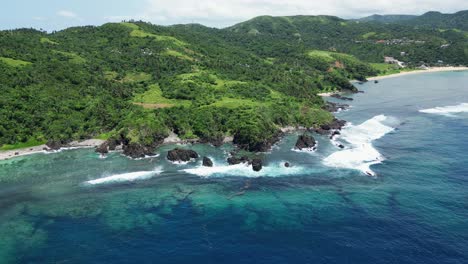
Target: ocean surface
<point x="410" y="133"/>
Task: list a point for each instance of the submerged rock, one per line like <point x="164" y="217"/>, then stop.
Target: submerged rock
<point x="257" y="164"/>
<point x="287" y="165"/>
<point x="207" y="162"/>
<point x="376" y="81"/>
<point x="181" y="155"/>
<point x="305" y="142"/>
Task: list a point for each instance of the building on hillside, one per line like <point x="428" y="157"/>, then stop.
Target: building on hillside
<point x="391" y="60"/>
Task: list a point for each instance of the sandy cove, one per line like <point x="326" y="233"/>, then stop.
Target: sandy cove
<point x="90" y="143"/>
<point x="429" y="70"/>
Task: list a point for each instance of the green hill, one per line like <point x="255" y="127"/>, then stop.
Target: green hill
<point x="138" y="81"/>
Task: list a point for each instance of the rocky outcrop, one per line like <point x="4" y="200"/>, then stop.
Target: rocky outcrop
<point x="338" y="96"/>
<point x="376" y="81"/>
<point x="55" y="144"/>
<point x="334" y="125"/>
<point x="233" y="160"/>
<point x="257" y="164"/>
<point x="305" y="142"/>
<point x="287" y="165"/>
<point x="334" y="107"/>
<point x="103" y="148"/>
<point x="182" y="155"/>
<point x="260" y="146"/>
<point x="207" y="162"/>
<point x="135" y="150"/>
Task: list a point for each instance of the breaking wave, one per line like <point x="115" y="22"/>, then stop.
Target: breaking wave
<point x="360" y="154"/>
<point x="125" y="177"/>
<point x="244" y="170"/>
<point x="447" y="110"/>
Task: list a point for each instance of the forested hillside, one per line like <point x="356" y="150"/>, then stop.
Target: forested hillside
<point x="136" y="81"/>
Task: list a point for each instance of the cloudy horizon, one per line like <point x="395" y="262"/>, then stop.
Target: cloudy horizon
<point x="56" y="15"/>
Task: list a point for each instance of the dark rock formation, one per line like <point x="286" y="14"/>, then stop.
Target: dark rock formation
<point x="216" y="141"/>
<point x="305" y="142"/>
<point x="338" y="96"/>
<point x="181" y="155"/>
<point x="207" y="162"/>
<point x="103" y="148"/>
<point x="334" y="107"/>
<point x="325" y="129"/>
<point x="376" y="81"/>
<point x="341" y="146"/>
<point x="257" y="164"/>
<point x="55" y="144"/>
<point x="233" y="161"/>
<point x="135" y="150"/>
<point x="287" y="165"/>
<point x="335" y="133"/>
<point x="261" y="146"/>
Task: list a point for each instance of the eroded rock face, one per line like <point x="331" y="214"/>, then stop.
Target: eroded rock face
<point x="257" y="164"/>
<point x="305" y="142"/>
<point x="182" y="155"/>
<point x="207" y="162"/>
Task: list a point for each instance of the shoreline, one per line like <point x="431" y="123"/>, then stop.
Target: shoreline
<point x="9" y="154"/>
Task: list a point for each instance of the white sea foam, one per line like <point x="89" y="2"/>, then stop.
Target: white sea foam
<point x="360" y="153"/>
<point x="125" y="177"/>
<point x="245" y="170"/>
<point x="447" y="110"/>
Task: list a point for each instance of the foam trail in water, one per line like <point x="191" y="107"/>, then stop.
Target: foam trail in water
<point x="125" y="177"/>
<point x="360" y="154"/>
<point x="244" y="170"/>
<point x="447" y="110"/>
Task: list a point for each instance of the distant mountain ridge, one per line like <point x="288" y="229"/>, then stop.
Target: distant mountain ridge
<point x="432" y="19"/>
<point x="387" y="18"/>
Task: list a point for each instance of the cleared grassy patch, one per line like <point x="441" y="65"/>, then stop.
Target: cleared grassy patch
<point x="27" y="144"/>
<point x="139" y="33"/>
<point x="110" y="75"/>
<point x="73" y="57"/>
<point x="14" y="63"/>
<point x="177" y="54"/>
<point x="134" y="77"/>
<point x="153" y="98"/>
<point x="387" y="69"/>
<point x="48" y="41"/>
<point x="236" y="103"/>
<point x="129" y="25"/>
<point x="369" y="35"/>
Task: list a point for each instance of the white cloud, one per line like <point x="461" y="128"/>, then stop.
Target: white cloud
<point x="66" y="13"/>
<point x="221" y="13"/>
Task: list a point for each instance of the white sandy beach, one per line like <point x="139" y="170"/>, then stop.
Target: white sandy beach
<point x="433" y="69"/>
<point x="90" y="143"/>
<point x="429" y="70"/>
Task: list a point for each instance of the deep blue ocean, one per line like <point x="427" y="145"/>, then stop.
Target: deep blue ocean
<point x="410" y="132"/>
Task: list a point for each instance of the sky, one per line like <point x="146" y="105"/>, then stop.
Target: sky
<point x="59" y="14"/>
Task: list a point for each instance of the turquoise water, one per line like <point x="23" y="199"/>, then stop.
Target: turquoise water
<point x="74" y="207"/>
